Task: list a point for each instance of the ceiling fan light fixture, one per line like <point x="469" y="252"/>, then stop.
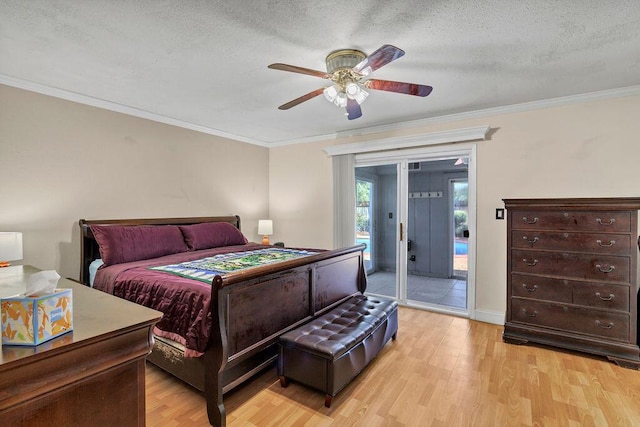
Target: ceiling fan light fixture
<point x="331" y="93"/>
<point x="352" y="89"/>
<point x="361" y="96"/>
<point x="343" y="59"/>
<point x="341" y="100"/>
<point x="347" y="70"/>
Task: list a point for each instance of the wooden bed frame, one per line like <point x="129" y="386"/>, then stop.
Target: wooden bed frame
<point x="250" y="310"/>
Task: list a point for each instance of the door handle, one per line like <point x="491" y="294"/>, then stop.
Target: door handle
<point x="401" y="232"/>
<point x="409" y="245"/>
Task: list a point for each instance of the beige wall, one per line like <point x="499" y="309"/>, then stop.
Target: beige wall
<point x="301" y="195"/>
<point x="61" y="161"/>
<point x="580" y="150"/>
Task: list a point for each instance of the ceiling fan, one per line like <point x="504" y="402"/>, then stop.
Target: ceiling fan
<point x="349" y="69"/>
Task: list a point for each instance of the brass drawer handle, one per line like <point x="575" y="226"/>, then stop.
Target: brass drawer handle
<point x="611" y="243"/>
<point x="603" y="326"/>
<point x="611" y="221"/>
<point x="526" y="312"/>
<point x="609" y="298"/>
<point x="528" y="221"/>
<point x="531" y="242"/>
<point x="530" y="264"/>
<point x="605" y="270"/>
<point x="524" y="285"/>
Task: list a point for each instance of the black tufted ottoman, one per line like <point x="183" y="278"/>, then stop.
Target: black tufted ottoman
<point x="328" y="352"/>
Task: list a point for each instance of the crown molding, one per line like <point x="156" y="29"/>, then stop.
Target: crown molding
<point x="402" y="142"/>
<point x="514" y="108"/>
<point x="136" y="112"/>
<point x="119" y="108"/>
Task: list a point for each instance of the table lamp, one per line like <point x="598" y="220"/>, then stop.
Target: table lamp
<point x="265" y="227"/>
<point x="10" y="247"/>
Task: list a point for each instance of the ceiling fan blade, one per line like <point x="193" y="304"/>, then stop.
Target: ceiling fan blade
<point x="398" y="87"/>
<point x="301" y="99"/>
<point x="353" y="108"/>
<point x="377" y="59"/>
<point x="301" y="70"/>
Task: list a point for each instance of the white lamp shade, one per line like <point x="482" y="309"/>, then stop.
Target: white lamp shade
<point x="10" y="246"/>
<point x="265" y="227"/>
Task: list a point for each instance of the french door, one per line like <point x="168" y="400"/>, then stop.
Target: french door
<point x="409" y="213"/>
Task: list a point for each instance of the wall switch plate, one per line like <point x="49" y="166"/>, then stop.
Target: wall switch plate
<point x="499" y="213"/>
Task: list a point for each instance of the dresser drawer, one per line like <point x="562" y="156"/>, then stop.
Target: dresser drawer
<point x="569" y="318"/>
<point x="571" y="220"/>
<point x="595" y="267"/>
<point x="613" y="244"/>
<point x="541" y="288"/>
<point x="599" y="295"/>
<point x="602" y="295"/>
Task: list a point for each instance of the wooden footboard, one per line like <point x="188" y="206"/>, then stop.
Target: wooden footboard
<point x="254" y="310"/>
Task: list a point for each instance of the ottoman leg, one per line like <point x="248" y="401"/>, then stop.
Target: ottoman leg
<point x="283" y="381"/>
<point x="327" y="400"/>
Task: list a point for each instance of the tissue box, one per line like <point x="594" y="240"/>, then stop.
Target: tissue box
<point x="34" y="320"/>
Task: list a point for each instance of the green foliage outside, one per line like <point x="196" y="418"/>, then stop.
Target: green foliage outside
<point x="362" y="192"/>
<point x="460" y="220"/>
<point x="362" y="223"/>
<point x="461" y="194"/>
<point x="362" y="201"/>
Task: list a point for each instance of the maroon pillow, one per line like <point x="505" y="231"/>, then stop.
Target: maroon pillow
<point x="211" y="235"/>
<point x="125" y="243"/>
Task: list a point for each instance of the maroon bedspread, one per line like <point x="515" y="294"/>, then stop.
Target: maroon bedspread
<point x="184" y="302"/>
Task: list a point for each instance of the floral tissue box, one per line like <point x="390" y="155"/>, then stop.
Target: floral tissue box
<point x="31" y="320"/>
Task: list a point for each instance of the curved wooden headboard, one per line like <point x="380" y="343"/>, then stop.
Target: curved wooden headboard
<point x="89" y="250"/>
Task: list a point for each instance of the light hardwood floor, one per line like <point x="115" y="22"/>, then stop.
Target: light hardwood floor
<point x="441" y="371"/>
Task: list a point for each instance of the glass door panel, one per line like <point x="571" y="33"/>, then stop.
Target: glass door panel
<point x="377" y="225"/>
<point x="364" y="219"/>
<point x="432" y="191"/>
<point x="460" y="228"/>
<point x="428" y="202"/>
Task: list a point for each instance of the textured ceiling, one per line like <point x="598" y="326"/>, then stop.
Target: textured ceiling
<point x="203" y="64"/>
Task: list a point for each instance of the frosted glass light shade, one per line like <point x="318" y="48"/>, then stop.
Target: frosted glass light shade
<point x="331" y="92"/>
<point x="361" y="96"/>
<point x="341" y="100"/>
<point x="352" y="90"/>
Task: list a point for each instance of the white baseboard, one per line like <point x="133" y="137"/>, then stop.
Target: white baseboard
<point x="495" y="317"/>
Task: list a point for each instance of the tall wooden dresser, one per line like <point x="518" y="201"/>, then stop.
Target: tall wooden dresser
<point x="572" y="269"/>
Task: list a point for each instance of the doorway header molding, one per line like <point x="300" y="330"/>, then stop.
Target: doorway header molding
<point x="478" y="133"/>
